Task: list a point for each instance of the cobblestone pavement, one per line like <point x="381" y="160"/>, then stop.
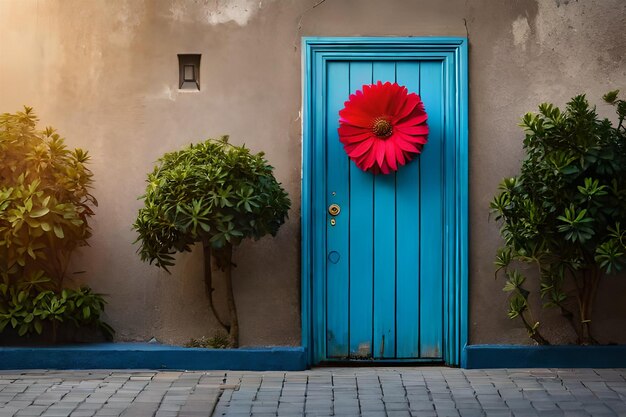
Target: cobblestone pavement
<point x="422" y="391"/>
<point x="109" y="393"/>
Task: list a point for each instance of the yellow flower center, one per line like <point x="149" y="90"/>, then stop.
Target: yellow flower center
<point x="382" y="128"/>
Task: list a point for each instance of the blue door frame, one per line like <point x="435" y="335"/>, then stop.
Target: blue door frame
<point x="452" y="54"/>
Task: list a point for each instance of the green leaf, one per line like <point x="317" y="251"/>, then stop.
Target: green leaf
<point x="503" y="257"/>
<point x="611" y="96"/>
<point x="38" y="326"/>
<point x="517" y="305"/>
<point x="58" y="231"/>
<point x="570" y="170"/>
<point x="39" y="212"/>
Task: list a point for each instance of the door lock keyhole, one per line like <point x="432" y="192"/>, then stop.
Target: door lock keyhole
<point x="334" y="209"/>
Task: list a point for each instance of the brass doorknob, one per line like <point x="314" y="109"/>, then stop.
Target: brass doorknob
<point x="334" y="209"/>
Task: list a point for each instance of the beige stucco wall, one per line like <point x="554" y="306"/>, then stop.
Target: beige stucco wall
<point x="105" y="74"/>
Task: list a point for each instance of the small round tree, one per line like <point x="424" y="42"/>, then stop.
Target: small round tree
<point x="216" y="194"/>
<point x="565" y="212"/>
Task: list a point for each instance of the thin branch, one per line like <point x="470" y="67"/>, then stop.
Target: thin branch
<point x="533" y="333"/>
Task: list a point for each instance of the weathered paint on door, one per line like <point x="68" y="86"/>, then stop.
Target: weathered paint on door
<point x="384" y="288"/>
<point x="386" y="278"/>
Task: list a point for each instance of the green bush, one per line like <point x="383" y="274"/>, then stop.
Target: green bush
<point x="29" y="311"/>
<point x="217" y="341"/>
<point x="45" y="205"/>
<point x="565" y="212"/>
<point x="213" y="193"/>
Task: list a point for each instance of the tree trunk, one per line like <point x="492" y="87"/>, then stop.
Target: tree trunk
<point x="230" y="296"/>
<point x="208" y="283"/>
<point x="589" y="290"/>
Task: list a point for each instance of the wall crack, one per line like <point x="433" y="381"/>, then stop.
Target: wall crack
<point x="299" y="28"/>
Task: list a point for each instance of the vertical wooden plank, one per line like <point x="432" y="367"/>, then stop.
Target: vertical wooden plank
<point x="408" y="236"/>
<point x="318" y="190"/>
<point x="463" y="199"/>
<point x="337" y="254"/>
<point x="384" y="247"/>
<point x="450" y="287"/>
<point x="431" y="221"/>
<point x="361" y="239"/>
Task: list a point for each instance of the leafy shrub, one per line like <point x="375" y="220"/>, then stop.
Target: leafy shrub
<point x="565" y="212"/>
<point x="28" y="311"/>
<point x="217" y="341"/>
<point x="45" y="205"/>
<point x="213" y="193"/>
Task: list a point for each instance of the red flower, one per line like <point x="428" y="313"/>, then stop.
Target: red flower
<point x="382" y="127"/>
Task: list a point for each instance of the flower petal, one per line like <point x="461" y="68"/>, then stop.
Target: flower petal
<point x="355" y="119"/>
<point x="369" y="161"/>
<point x="408" y="104"/>
<point x="399" y="155"/>
<point x="384" y="168"/>
<point x="379" y="149"/>
<point x="390" y="155"/>
<point x="414" y="130"/>
<point x="361" y="148"/>
<point x="346" y="140"/>
<point x="405" y="143"/>
<point x="399" y="100"/>
<point x="349" y="130"/>
<point x="413" y="120"/>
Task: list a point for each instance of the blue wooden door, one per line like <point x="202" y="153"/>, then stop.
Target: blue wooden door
<point x="384" y="286"/>
<point x="386" y="278"/>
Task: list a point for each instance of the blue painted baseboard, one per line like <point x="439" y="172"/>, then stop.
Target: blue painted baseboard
<point x="152" y="356"/>
<point x="570" y="356"/>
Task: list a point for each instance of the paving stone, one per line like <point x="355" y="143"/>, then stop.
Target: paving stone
<point x="576" y="413"/>
<point x="108" y="413"/>
<point x="398" y="413"/>
<point x="166" y="414"/>
<point x="397" y="406"/>
<point x="427" y="392"/>
<point x="498" y="413"/>
<point x="83" y="413"/>
<point x="543" y="405"/>
<point x="424" y="413"/>
<point x="470" y="412"/>
<point x="56" y="413"/>
<point x="33" y="410"/>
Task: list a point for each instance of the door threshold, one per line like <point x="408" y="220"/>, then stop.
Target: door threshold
<point x="358" y="363"/>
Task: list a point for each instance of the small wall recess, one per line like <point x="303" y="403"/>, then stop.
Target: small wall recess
<point x="189" y="72"/>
